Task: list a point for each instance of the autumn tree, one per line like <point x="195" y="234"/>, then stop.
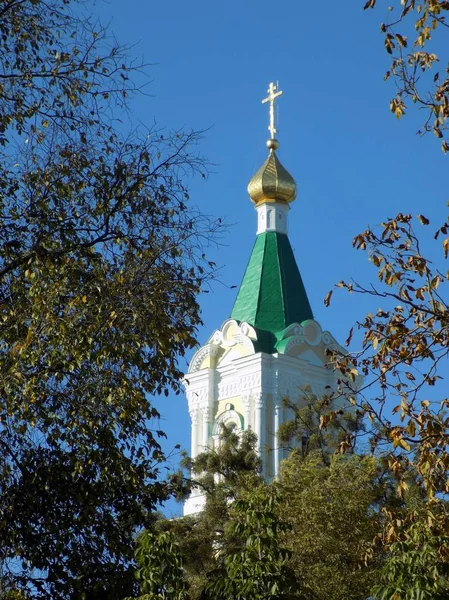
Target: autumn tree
<point x="415" y="36"/>
<point x="403" y="359"/>
<point x="403" y="354"/>
<point x="101" y="262"/>
<point x="404" y="350"/>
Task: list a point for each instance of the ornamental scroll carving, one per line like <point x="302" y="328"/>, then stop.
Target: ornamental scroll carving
<point x="231" y="334"/>
<point x="310" y="333"/>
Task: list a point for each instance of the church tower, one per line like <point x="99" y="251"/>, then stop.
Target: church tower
<point x="271" y="346"/>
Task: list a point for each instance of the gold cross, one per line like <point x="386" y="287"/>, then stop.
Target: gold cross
<point x="271" y="98"/>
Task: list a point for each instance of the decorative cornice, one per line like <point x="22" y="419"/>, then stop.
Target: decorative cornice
<point x="197" y="397"/>
<point x="250" y="381"/>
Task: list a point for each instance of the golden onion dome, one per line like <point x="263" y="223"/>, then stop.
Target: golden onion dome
<point x="272" y="183"/>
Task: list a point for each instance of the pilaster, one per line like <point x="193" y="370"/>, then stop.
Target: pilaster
<point x="259" y="423"/>
<point x="206" y="432"/>
<point x="194" y="416"/>
<point x="277" y="421"/>
<point x="246" y="398"/>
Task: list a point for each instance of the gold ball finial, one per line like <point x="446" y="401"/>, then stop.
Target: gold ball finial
<point x="272" y="144"/>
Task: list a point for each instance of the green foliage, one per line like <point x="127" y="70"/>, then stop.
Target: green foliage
<point x="159" y="567"/>
<point x="415" y="568"/>
<point x="100" y="267"/>
<point x="308" y="535"/>
<point x="222" y="469"/>
<point x="333" y="507"/>
<point x="222" y="474"/>
<point x="257" y="566"/>
<point x="12" y="594"/>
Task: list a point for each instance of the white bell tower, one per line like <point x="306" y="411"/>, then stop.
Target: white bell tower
<point x="271" y="347"/>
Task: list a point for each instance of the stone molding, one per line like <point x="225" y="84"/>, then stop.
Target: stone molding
<point x="200" y="355"/>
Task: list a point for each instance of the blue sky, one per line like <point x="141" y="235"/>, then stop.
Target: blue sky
<point x="354" y="163"/>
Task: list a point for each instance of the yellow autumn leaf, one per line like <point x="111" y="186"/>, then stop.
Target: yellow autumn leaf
<point x="404" y="444"/>
<point x="411" y="428"/>
<point x="446" y="247"/>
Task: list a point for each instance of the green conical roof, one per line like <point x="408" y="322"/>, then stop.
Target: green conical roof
<point x="272" y="295"/>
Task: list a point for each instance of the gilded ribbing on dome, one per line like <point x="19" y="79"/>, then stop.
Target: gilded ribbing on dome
<point x="272" y="183"/>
